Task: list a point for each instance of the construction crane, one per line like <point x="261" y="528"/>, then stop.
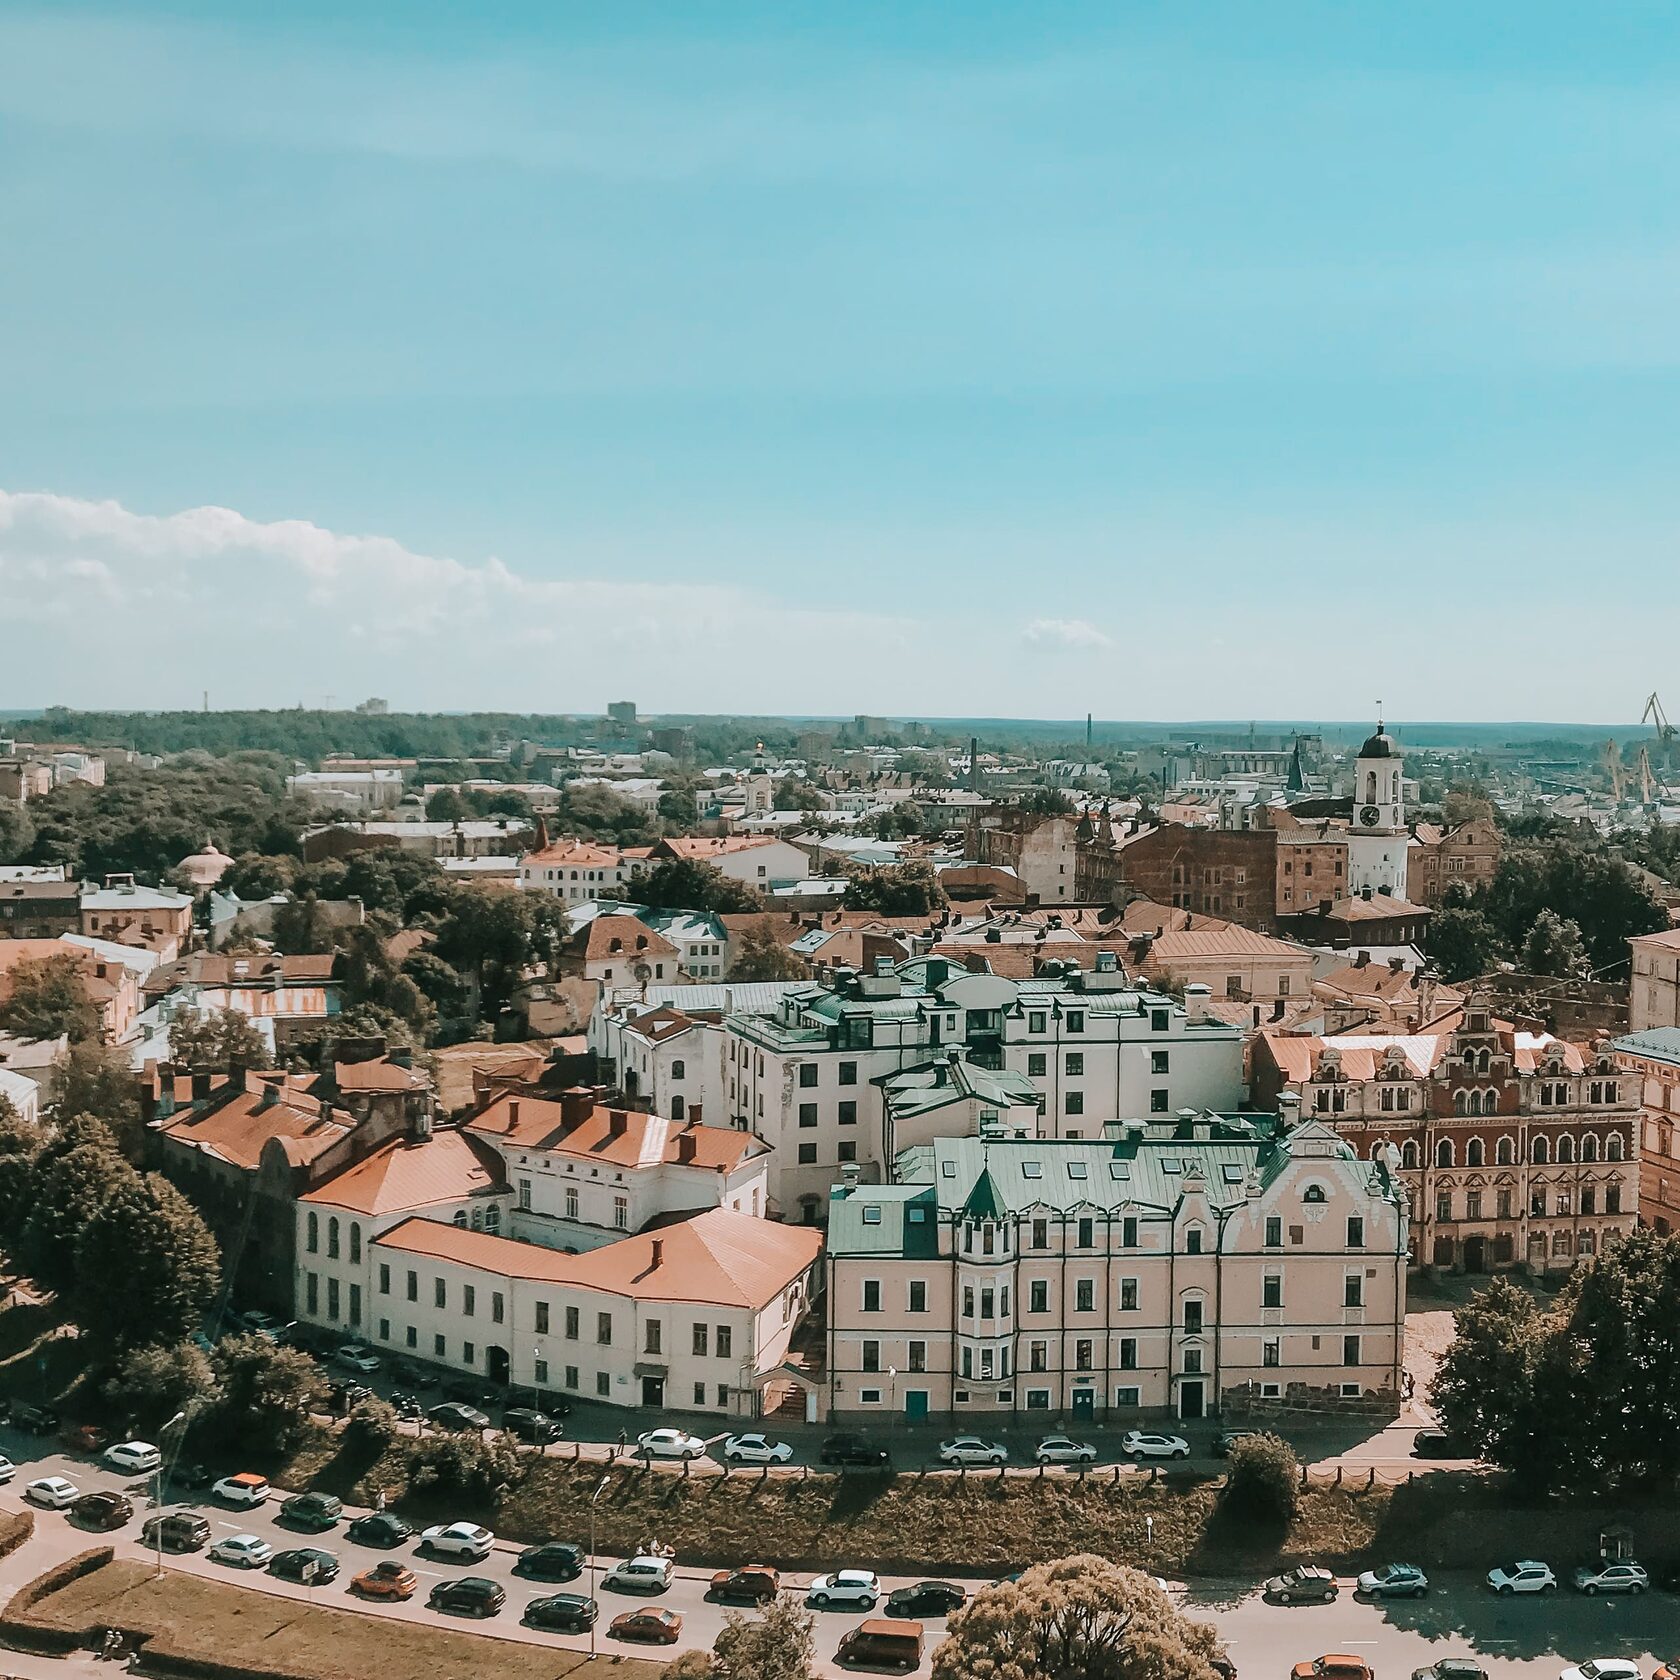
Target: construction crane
<point x="1612" y="756"/>
<point x="1647" y="783"/>
<point x="1658" y="720"/>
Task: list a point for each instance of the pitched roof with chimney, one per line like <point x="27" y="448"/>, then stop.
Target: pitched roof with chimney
<point x="415" y="1173"/>
<point x="379" y="1074"/>
<point x="212" y="968"/>
<point x="574" y="854"/>
<point x="624" y="936"/>
<point x="701" y="847"/>
<point x="1360" y="1055"/>
<point x="717" y="1258"/>
<point x="1230" y="941"/>
<point x="587" y="1131"/>
<point x="236" y="1124"/>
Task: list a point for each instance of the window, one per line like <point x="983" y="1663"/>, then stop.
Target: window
<point x="1350" y="1350"/>
<point x="414" y="1286"/>
<point x="1073" y="1102"/>
<point x="603" y="1383"/>
<point x="1158" y="1101"/>
<point x="1038" y="1065"/>
<point x="1409" y="1154"/>
<point x="807" y="1154"/>
<point x="1129" y="1294"/>
<point x="440" y="1293"/>
<point x="846" y="1149"/>
<point x="1128" y="1233"/>
<point x="312" y="1293"/>
<point x="384" y="1279"/>
<point x="807" y="1076"/>
<point x="1443" y="1205"/>
<point x="1193" y="1240"/>
<point x="1075" y="1063"/>
<point x="1539" y="1151"/>
<point x="1473" y="1204"/>
<point x="807" y="1114"/>
<point x="871" y="1356"/>
<point x="469" y="1300"/>
<point x="312" y="1237"/>
<point x="355" y="1243"/>
<point x="1612" y="1198"/>
<point x="603" y="1329"/>
<point x="1087" y="1233"/>
<point x="848" y="1073"/>
<point x="1082" y="1355"/>
<point x="440" y="1347"/>
<point x="1274" y="1231"/>
<point x="1084" y="1295"/>
<point x="571" y="1201"/>
<point x="1444" y="1153"/>
<point x="1159" y="1020"/>
<point x="1076" y="1020"/>
<point x="1192" y="1318"/>
<point x="915" y="1356"/>
<point x="332" y="1239"/>
<point x="1355" y="1231"/>
<point x="988" y="1303"/>
<point x="918" y="1296"/>
<point x="1271" y="1351"/>
<point x="872" y="1295"/>
<point x="1038" y="1295"/>
<point x="1353" y="1289"/>
<point x="468" y="1354"/>
<point x="1271" y="1289"/>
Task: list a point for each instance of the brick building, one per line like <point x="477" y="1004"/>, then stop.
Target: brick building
<point x="1438" y="858"/>
<point x="1213" y="872"/>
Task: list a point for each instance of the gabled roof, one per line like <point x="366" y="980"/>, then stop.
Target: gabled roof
<point x="235" y="1126"/>
<point x="624" y="936"/>
<point x="448" y="1166"/>
<point x="703" y="847"/>
<point x="640" y="1140"/>
<point x="945" y="1080"/>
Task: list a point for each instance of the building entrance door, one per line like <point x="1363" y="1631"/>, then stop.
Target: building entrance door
<point x="653" y="1391"/>
<point x="915" y="1404"/>
<point x="1084" y="1402"/>
<point x="1191" y="1401"/>
<point x="1475" y="1254"/>
<point x="496" y="1365"/>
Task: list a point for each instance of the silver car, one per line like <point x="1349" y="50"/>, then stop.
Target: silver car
<point x="1623" y="1577"/>
<point x="1063" y="1449"/>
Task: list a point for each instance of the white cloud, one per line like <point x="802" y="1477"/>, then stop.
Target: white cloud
<point x="108" y="607"/>
<point x="1065" y="633"/>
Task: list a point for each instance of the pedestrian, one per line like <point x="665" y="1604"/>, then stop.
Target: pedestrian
<point x="623" y="1440"/>
<point x="379" y="1499"/>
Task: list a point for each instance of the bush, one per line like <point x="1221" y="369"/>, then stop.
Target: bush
<point x="371" y="1428"/>
<point x="266" y="1391"/>
<point x="1262" y="1479"/>
<point x="152" y="1384"/>
<point x="462" y="1466"/>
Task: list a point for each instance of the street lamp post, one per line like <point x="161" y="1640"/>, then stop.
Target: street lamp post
<point x="602" y="1488"/>
<point x="157" y="1490"/>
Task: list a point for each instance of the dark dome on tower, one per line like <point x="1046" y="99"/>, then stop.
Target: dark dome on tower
<point x="1380" y="745"/>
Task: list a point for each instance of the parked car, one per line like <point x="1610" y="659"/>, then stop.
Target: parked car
<point x="308" y="1564"/>
<point x="1452" y="1668"/>
<point x="1669" y="1670"/>
<point x="756" y="1449"/>
<point x="534" y="1428"/>
<point x="1524" y="1577"/>
<point x="386" y="1579"/>
<point x="926" y="1598"/>
<point x="32" y="1419"/>
<point x="85" y="1438"/>
<point x="1306" y="1584"/>
<point x="1336" y="1666"/>
<point x="139" y="1458"/>
<point x="972" y="1449"/>
<point x="1437" y="1443"/>
<point x="563" y="1613"/>
<point x="263" y="1324"/>
<point x="176" y="1531"/>
<point x="881" y="1645"/>
<point x="640" y="1574"/>
<point x="471" y="1595"/>
<point x="339" y="1397"/>
<point x="355" y="1356"/>
<point x="1222" y="1447"/>
<point x="379" y="1528"/>
<point x="243" y="1551"/>
<point x="753" y="1583"/>
<point x="858" y="1587"/>
<point x="1625" y="1576"/>
<point x="1136" y="1443"/>
<point x="670" y="1443"/>
<point x="1063" y="1449"/>
<point x="103" y="1511"/>
<point x="1603" y="1668"/>
<point x="243" y="1490"/>
<point x="470" y="1391"/>
<point x="553" y="1560"/>
<point x="652" y="1626"/>
<point x="52" y="1492"/>
<point x="1393" y="1580"/>
<point x="460" y="1539"/>
<point x="7" y="1468"/>
<point x="852" y="1449"/>
<point x="316" y="1512"/>
<point x="453" y="1414"/>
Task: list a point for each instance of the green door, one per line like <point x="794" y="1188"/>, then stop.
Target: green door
<point x="915" y="1404"/>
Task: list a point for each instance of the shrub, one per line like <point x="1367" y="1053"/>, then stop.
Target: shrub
<point x="464" y="1466"/>
<point x="371" y="1428"/>
<point x="1262" y="1479"/>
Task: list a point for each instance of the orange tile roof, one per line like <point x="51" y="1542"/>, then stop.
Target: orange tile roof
<point x="236" y="1129"/>
<point x="577" y="854"/>
<point x="647" y="1140"/>
<point x="380" y="1074"/>
<point x="717" y="1258"/>
<point x="712" y="845"/>
<point x="1230" y="941"/>
<point x="446" y="1167"/>
<point x="1363" y="1053"/>
<point x="624" y="936"/>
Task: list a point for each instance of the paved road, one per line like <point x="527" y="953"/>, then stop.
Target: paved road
<point x="1521" y="1638"/>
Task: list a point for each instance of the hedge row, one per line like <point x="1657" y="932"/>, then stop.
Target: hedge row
<point x="19" y="1628"/>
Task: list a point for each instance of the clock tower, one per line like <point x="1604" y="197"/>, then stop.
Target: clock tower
<point x="1377" y="834"/>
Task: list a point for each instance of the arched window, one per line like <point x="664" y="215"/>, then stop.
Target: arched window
<point x="1444" y="1153"/>
<point x="1370" y="787"/>
<point x="1490" y="1101"/>
<point x="677" y="1108"/>
<point x="1313" y="1193"/>
<point x="1589" y="1147"/>
<point x="678" y="1069"/>
<point x="1473" y="1153"/>
<point x="1613" y="1147"/>
<point x="461" y="1217"/>
<point x="313" y="1240"/>
<point x="1503" y="1153"/>
<point x="492" y="1218"/>
<point x="477" y="1218"/>
<point x="1538" y="1154"/>
<point x="332" y="1237"/>
<point x="1484" y="1061"/>
<point x="355" y="1243"/>
<point x="1461" y="1102"/>
<point x="1566" y="1148"/>
<point x="1409" y="1153"/>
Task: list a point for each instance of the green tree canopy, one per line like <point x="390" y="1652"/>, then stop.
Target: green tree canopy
<point x="67" y="1190"/>
<point x="218" y="1041"/>
<point x="152" y="1383"/>
<point x="911" y="890"/>
<point x="1554" y="947"/>
<point x="1262" y="1479"/>
<point x="780" y="1644"/>
<point x="266" y="1390"/>
<point x="95" y="1080"/>
<point x="685" y="884"/>
<point x="48" y="998"/>
<point x="1463" y="942"/>
<point x="760" y="955"/>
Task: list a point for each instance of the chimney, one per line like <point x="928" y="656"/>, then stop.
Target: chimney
<point x="575" y="1105"/>
<point x="1396" y="964"/>
<point x="658" y="1254"/>
<point x="688" y="1146"/>
<point x="1289" y="1108"/>
<point x="270" y="1094"/>
<point x="513" y="1113"/>
<point x="1363" y="960"/>
<point x="1196" y="1001"/>
<point x="618" y="1123"/>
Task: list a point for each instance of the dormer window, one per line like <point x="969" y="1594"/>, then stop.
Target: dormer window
<point x="1313" y="1193"/>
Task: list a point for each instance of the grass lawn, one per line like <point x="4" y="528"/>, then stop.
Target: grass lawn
<point x="207" y="1619"/>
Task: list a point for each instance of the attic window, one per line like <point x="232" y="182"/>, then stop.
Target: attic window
<point x="1233" y="1174"/>
<point x="1032" y="1169"/>
<point x="872" y="1214"/>
<point x="1119" y="1169"/>
<point x="947" y="1169"/>
<point x="1172" y="1166"/>
<point x="1076" y="1169"/>
<point x="916" y="1215"/>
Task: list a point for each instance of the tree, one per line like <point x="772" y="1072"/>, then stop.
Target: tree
<point x="760" y="955"/>
<point x="151" y="1384"/>
<point x="1047" y="802"/>
<point x="266" y="1391"/>
<point x="779" y="1645"/>
<point x="147" y="1266"/>
<point x="1464" y="804"/>
<point x="462" y="1465"/>
<point x="911" y="890"/>
<point x="1080" y="1618"/>
<point x="20" y="1143"/>
<point x="1554" y="947"/>
<point x="443" y="985"/>
<point x="95" y="1079"/>
<point x="371" y="1427"/>
<point x="679" y="808"/>
<point x="67" y="1190"/>
<point x="1463" y="942"/>
<point x="48" y="999"/>
<point x="301" y="928"/>
<point x="447" y="805"/>
<point x="217" y="1041"/>
<point x="255" y="876"/>
<point x="1601" y="894"/>
<point x="685" y="884"/>
<point x="1262" y="1479"/>
<point x="17" y="831"/>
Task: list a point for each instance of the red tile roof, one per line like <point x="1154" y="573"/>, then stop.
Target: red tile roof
<point x="236" y="1128"/>
<point x="643" y="1140"/>
<point x="624" y="936"/>
<point x="446" y="1167"/>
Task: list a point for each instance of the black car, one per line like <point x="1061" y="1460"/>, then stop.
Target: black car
<point x="535" y="1428"/>
<point x="380" y="1528"/>
<point x="453" y="1415"/>
<point x="562" y="1613"/>
<point x="926" y="1598"/>
<point x="1437" y="1443"/>
<point x="192" y="1475"/>
<point x="103" y="1511"/>
<point x="852" y="1449"/>
<point x="471" y="1595"/>
<point x="406" y="1371"/>
<point x="305" y="1563"/>
<point x="469" y="1391"/>
<point x="36" y="1420"/>
<point x="554" y="1560"/>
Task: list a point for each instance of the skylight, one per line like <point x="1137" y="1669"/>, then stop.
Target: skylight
<point x="1031" y="1169"/>
<point x="1076" y="1169"/>
<point x="872" y="1214"/>
<point x="1119" y="1169"/>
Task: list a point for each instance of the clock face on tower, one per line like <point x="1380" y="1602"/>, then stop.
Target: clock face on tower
<point x="1370" y="816"/>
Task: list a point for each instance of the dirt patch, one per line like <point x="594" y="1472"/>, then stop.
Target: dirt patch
<point x="181" y="1616"/>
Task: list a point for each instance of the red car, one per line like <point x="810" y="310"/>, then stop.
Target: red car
<point x="657" y="1627"/>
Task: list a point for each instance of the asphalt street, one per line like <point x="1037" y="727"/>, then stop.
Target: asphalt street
<point x="1523" y="1637"/>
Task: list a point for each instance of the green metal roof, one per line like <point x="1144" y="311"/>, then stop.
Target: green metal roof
<point x="888" y="1219"/>
<point x="946" y="1079"/>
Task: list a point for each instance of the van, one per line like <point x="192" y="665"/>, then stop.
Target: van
<point x="176" y="1531"/>
<point x="881" y="1644"/>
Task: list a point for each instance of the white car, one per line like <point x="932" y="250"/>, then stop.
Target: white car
<point x="462" y="1539"/>
<point x="244" y="1489"/>
<point x="1136" y="1444"/>
<point x="640" y="1574"/>
<point x="54" y="1492"/>
<point x="1524" y="1577"/>
<point x="859" y="1587"/>
<point x="357" y="1357"/>
<point x="1063" y="1449"/>
<point x="670" y="1443"/>
<point x="971" y="1449"/>
<point x="755" y="1449"/>
<point x="141" y="1457"/>
<point x="243" y="1551"/>
<point x="7" y="1468"/>
<point x="1603" y="1668"/>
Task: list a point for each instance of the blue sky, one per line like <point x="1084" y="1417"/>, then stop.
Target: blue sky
<point x="1161" y="360"/>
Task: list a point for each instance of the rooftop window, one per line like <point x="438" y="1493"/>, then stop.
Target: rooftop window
<point x="872" y="1214"/>
<point x="1031" y="1169"/>
<point x="1119" y="1169"/>
<point x="1076" y="1169"/>
<point x="1233" y="1173"/>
